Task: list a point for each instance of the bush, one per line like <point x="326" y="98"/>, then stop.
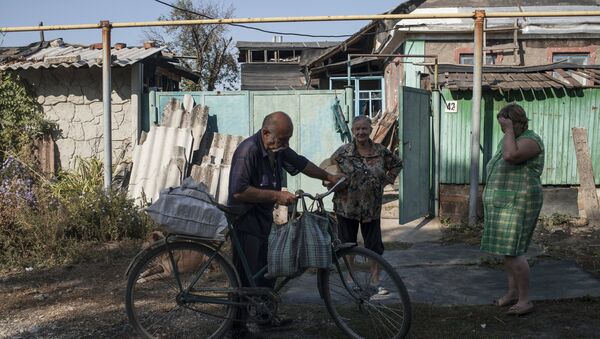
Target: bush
<point x="46" y="223"/>
<point x="21" y="117"/>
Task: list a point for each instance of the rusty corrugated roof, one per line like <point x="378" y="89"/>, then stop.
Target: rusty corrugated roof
<point x="66" y="55"/>
<point x="558" y="75"/>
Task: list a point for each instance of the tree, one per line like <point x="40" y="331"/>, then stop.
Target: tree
<point x="209" y="46"/>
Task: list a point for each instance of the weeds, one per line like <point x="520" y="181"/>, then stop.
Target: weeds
<point x="45" y="223"/>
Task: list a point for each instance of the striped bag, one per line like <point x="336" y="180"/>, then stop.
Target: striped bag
<point x="302" y="243"/>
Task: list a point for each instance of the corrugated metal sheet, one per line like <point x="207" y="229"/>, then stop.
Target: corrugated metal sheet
<point x="163" y="159"/>
<point x="241" y="113"/>
<point x="552" y="114"/>
<point x="87" y="57"/>
<point x="215" y="166"/>
<point x="540" y="25"/>
<point x="157" y="162"/>
<point x="187" y="114"/>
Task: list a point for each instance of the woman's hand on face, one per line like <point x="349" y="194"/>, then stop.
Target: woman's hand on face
<point x="506" y="124"/>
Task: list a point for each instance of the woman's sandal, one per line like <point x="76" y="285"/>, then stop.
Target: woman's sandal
<point x="520" y="310"/>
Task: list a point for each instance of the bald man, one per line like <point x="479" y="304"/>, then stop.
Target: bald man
<point x="255" y="183"/>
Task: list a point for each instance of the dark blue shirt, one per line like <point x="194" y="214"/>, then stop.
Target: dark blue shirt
<point x="252" y="166"/>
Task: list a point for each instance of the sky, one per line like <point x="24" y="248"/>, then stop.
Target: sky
<point x="67" y="12"/>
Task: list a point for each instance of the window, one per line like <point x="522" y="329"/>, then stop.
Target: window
<point x="368" y="93"/>
<point x="572" y="58"/>
<point x="468" y="59"/>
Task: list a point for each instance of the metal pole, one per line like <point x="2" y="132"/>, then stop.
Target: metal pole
<point x="106" y="92"/>
<point x="348" y="70"/>
<point x="475" y="116"/>
<point x="302" y="19"/>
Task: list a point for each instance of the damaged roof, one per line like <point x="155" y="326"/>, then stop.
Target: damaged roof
<point x="527" y="26"/>
<point x="285" y="45"/>
<point x="55" y="54"/>
<point x="557" y="75"/>
<point x="403" y="8"/>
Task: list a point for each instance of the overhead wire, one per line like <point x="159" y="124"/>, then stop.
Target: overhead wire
<point x="270" y="31"/>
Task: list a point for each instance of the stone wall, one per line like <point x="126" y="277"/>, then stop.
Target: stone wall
<point x="73" y="99"/>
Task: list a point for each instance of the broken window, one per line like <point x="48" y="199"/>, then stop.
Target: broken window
<point x="572" y="58"/>
<point x="469" y="59"/>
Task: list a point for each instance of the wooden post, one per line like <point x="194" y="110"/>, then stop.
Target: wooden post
<point x="587" y="186"/>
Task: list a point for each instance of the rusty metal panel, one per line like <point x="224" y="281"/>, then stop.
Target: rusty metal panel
<point x="552" y="114"/>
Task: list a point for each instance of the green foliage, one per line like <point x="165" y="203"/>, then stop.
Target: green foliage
<point x="211" y="45"/>
<point x="21" y="117"/>
<point x="59" y="220"/>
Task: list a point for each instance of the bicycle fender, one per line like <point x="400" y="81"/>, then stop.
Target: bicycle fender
<point x="141" y="254"/>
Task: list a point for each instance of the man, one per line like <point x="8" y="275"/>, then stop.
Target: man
<point x="255" y="184"/>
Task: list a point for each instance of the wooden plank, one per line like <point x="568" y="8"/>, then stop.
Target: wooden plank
<point x="568" y="77"/>
<point x="587" y="187"/>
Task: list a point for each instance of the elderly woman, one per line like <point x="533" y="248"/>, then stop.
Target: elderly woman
<point x="512" y="201"/>
<point x="369" y="168"/>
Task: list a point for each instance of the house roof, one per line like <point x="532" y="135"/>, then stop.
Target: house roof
<point x="527" y="26"/>
<point x="404" y="7"/>
<point x="557" y="75"/>
<point x="285" y="45"/>
<point x="56" y="54"/>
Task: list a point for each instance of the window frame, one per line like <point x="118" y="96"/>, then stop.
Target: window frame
<point x="355" y="82"/>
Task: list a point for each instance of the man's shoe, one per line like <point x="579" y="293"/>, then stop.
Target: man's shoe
<point x="277" y="322"/>
<point x="243" y="333"/>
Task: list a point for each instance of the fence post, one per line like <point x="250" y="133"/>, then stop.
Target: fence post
<point x="587" y="186"/>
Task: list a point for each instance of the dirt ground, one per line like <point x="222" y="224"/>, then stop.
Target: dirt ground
<point x="86" y="300"/>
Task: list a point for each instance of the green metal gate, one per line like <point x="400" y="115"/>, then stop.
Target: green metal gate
<point x="414" y="124"/>
<point x="241" y="113"/>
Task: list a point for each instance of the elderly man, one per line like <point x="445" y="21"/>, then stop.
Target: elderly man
<point x="255" y="183"/>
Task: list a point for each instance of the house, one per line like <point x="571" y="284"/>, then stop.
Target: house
<point x="67" y="79"/>
<point x="548" y="65"/>
<point x="277" y="65"/>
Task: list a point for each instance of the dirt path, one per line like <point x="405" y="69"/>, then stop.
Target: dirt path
<point x="86" y="300"/>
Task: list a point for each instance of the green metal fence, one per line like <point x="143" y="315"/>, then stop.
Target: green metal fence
<point x="552" y="114"/>
<point x="241" y="113"/>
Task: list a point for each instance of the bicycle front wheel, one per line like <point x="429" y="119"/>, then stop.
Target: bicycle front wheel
<point x="192" y="300"/>
<point x="365" y="296"/>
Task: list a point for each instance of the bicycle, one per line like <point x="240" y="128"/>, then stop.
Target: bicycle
<point x="199" y="298"/>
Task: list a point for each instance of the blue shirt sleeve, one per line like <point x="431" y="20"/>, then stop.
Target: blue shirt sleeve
<point x="292" y="162"/>
<point x="241" y="171"/>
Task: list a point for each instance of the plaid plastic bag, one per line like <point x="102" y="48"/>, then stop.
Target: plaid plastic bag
<point x="301" y="243"/>
<point x="315" y="245"/>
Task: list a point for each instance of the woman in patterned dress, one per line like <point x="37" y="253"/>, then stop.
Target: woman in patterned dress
<point x="369" y="168"/>
<point x="512" y="202"/>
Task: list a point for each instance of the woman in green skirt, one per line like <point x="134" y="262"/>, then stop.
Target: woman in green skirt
<point x="512" y="201"/>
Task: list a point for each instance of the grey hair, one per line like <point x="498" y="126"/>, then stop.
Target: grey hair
<point x="360" y="118"/>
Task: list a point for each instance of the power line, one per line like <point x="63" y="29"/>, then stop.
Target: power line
<point x="256" y="28"/>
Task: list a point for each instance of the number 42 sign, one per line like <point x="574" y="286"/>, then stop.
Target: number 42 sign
<point x="451" y="106"/>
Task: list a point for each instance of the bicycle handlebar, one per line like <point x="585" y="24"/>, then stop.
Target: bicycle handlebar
<point x="301" y="194"/>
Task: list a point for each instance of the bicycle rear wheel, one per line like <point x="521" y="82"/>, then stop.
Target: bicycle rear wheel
<point x="160" y="303"/>
<point x="359" y="304"/>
